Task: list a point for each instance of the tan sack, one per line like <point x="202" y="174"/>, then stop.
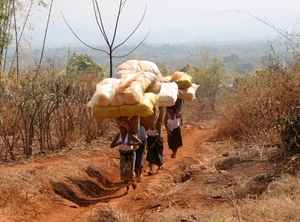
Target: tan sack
<point x="188" y="94"/>
<point x="147" y="69"/>
<point x="176" y="76"/>
<point x="132" y="88"/>
<point x="103" y="94"/>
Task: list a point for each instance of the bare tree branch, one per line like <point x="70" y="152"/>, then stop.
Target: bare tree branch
<point x="133" y="48"/>
<point x="46" y="30"/>
<point x="99" y="21"/>
<point x="110" y="44"/>
<point x="91" y="47"/>
<point x="122" y="43"/>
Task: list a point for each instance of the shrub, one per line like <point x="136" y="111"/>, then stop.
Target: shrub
<point x="254" y="111"/>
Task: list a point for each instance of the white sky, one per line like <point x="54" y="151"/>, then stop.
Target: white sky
<point x="169" y="13"/>
<point x="162" y="14"/>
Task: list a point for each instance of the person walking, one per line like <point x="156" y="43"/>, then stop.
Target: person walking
<point x="172" y="125"/>
<point x="142" y="135"/>
<point x="155" y="147"/>
<point x="126" y="140"/>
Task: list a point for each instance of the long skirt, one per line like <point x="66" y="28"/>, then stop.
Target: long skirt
<point x="127" y="162"/>
<point x="155" y="155"/>
<point x="175" y="140"/>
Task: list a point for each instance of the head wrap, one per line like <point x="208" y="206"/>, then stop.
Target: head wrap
<point x="124" y="124"/>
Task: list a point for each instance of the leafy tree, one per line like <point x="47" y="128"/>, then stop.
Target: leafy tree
<point x="6" y="12"/>
<point x="165" y="70"/>
<point x="83" y="64"/>
<point x="209" y="77"/>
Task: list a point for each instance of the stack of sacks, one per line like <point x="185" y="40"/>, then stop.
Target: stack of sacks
<point x="132" y="92"/>
<point x="114" y="98"/>
<point x="186" y="89"/>
<point x="147" y="69"/>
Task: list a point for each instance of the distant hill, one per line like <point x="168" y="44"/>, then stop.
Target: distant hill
<point x="250" y="29"/>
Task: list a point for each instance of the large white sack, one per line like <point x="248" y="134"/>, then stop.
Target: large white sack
<point x="168" y="94"/>
<point x="147" y="69"/>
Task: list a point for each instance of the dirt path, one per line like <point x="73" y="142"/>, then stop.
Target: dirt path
<point x="74" y="185"/>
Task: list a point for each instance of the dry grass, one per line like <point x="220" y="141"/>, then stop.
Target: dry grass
<point x="253" y="113"/>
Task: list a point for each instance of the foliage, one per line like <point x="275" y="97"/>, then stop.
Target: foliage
<point x="6" y="12"/>
<point x="254" y="110"/>
<point x="47" y="111"/>
<point x="208" y="75"/>
<point x="82" y="64"/>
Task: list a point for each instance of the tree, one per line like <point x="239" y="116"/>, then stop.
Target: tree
<point x="112" y="46"/>
<point x="82" y="64"/>
<point x="209" y="77"/>
<point x="13" y="21"/>
<point x="6" y="12"/>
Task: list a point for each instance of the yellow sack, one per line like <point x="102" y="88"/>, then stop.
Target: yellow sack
<point x="167" y="78"/>
<point x="184" y="82"/>
<point x="143" y="108"/>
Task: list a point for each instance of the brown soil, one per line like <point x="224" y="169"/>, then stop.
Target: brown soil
<point x="76" y="184"/>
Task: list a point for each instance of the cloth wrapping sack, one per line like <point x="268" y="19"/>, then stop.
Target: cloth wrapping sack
<point x="147" y="69"/>
<point x="143" y="108"/>
<point x="117" y="92"/>
<point x="189" y="93"/>
<point x="105" y="93"/>
<point x="168" y="94"/>
<point x="132" y="88"/>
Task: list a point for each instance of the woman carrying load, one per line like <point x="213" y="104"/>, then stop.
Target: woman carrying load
<point x="126" y="140"/>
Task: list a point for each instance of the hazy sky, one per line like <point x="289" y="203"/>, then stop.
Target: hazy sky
<point x="169" y="13"/>
<point x="161" y="14"/>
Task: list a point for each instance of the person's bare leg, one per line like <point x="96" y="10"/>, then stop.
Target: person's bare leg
<point x="150" y="170"/>
<point x="140" y="169"/>
<point x="174" y="152"/>
<point x="127" y="186"/>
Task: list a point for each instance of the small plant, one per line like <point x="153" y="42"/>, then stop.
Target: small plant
<point x="290" y="130"/>
<point x="222" y="220"/>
